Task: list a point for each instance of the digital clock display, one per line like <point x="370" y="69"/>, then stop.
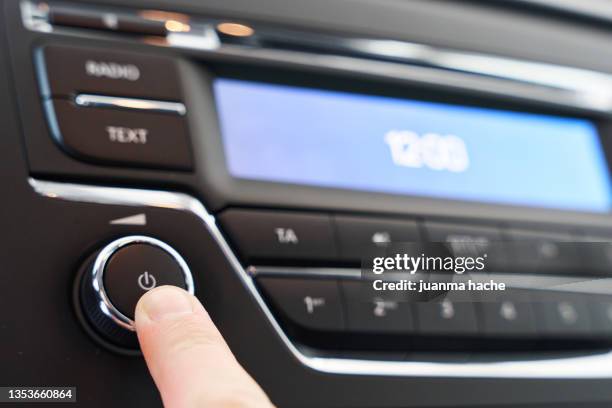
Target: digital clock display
<point x="371" y="143"/>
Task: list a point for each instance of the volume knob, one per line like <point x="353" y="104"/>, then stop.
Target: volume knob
<point x="119" y="275"/>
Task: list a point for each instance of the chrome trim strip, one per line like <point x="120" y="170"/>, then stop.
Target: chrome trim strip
<point x="202" y="37"/>
<point x="35" y="17"/>
<point x="162" y="199"/>
<point x="103" y="101"/>
<point x="486" y="74"/>
<point x="590" y="366"/>
<point x="258" y="270"/>
<point x="551" y="283"/>
<point x="97" y="273"/>
<point x="595" y="9"/>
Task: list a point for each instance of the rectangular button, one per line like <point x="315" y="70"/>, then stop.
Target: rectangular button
<point x="452" y="314"/>
<point x="76" y="17"/>
<point x="447" y="232"/>
<point x="309" y="303"/>
<point x="121" y="137"/>
<point x="103" y="20"/>
<point x="358" y="234"/>
<point x="600" y="307"/>
<point x="65" y="71"/>
<point x="284" y="235"/>
<point x="387" y="314"/>
<point x="471" y="240"/>
<point x="562" y="314"/>
<point x="507" y="313"/>
<point x="595" y="250"/>
<point x="544" y="252"/>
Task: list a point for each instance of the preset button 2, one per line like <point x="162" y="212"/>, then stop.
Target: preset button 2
<point x="388" y="314"/>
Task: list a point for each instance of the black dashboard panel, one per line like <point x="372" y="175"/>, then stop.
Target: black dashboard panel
<point x="66" y="196"/>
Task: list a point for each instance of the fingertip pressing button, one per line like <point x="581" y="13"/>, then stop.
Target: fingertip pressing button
<point x="121" y="273"/>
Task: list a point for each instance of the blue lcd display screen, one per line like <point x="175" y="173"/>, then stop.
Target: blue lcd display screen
<point x="371" y="143"/>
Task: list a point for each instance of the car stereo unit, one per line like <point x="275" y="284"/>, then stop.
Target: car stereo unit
<point x="278" y="158"/>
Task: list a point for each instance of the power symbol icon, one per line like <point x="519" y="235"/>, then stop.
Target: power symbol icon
<point x="146" y="281"/>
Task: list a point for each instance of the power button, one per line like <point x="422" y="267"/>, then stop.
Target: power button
<point x="137" y="267"/>
<point x="121" y="273"/>
<point x="147" y="281"/>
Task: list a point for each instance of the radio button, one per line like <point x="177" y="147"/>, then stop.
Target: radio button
<point x="262" y="234"/>
<point x="121" y="137"/>
<point x="309" y="303"/>
<point x="66" y="71"/>
<point x="358" y="234"/>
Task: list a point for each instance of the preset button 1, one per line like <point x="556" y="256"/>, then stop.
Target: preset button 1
<point x="309" y="303"/>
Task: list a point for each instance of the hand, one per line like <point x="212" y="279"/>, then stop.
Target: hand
<point x="190" y="362"/>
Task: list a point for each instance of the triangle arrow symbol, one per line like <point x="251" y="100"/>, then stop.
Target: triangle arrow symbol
<point x="138" y="219"/>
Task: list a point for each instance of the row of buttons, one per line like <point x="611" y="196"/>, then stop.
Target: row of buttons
<point x="79" y="85"/>
<point x="288" y="235"/>
<point x="340" y="305"/>
<point x="262" y="235"/>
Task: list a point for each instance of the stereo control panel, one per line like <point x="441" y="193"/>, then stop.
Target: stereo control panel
<point x="258" y="162"/>
<point x="312" y="286"/>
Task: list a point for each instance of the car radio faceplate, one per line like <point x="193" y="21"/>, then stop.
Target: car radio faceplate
<point x="297" y="247"/>
<point x="573" y="365"/>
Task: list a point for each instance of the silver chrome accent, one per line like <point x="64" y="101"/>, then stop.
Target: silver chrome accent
<point x="258" y="270"/>
<point x="103" y="101"/>
<point x="547" y="83"/>
<point x="595" y="9"/>
<point x="592" y="366"/>
<point x="549" y="283"/>
<point x="97" y="274"/>
<point x="486" y="74"/>
<point x="35" y="16"/>
<point x="201" y="37"/>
